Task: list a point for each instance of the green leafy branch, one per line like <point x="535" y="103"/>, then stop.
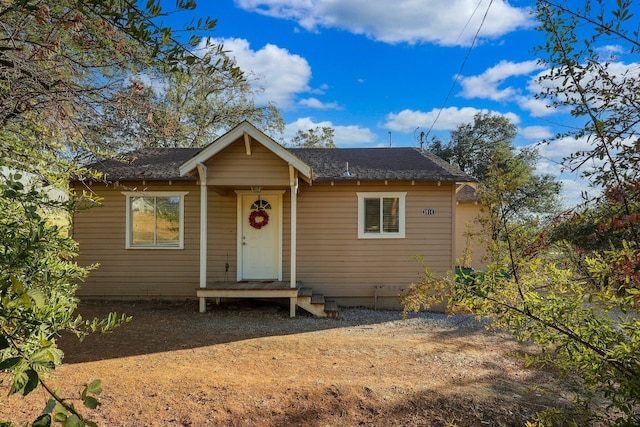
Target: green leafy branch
<point x="37" y="299"/>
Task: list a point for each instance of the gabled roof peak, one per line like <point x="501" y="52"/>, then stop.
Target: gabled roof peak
<point x="249" y="133"/>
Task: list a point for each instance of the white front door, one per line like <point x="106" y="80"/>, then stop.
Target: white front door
<point x="259" y="236"/>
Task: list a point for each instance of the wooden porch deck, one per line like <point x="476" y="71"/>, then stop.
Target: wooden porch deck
<point x="303" y="297"/>
<point x="248" y="289"/>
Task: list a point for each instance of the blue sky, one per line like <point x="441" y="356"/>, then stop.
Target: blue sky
<point x="379" y="72"/>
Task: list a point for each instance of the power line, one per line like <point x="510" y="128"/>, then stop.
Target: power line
<point x="464" y="62"/>
<point x="468" y="21"/>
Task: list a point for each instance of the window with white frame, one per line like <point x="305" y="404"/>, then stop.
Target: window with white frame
<point x="155" y="220"/>
<point x="381" y="215"/>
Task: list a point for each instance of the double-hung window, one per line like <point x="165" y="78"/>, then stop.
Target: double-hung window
<point x="381" y="215"/>
<point x="155" y="220"/>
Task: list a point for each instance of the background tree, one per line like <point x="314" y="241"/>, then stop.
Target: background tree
<point x="314" y="138"/>
<point x="474" y="146"/>
<point x="485" y="146"/>
<point x="67" y="68"/>
<point x="580" y="306"/>
<point x="439" y="148"/>
<point x="188" y="110"/>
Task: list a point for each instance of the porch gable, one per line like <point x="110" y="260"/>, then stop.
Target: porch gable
<point x="250" y="139"/>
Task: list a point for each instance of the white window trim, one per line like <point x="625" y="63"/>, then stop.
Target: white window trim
<point x="382" y="235"/>
<point x="130" y="194"/>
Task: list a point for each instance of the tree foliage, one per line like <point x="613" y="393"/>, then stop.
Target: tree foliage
<point x="188" y="109"/>
<point x="602" y="91"/>
<point x="474" y="146"/>
<point x="486" y="145"/>
<point x="597" y="228"/>
<point x="314" y="138"/>
<point x="572" y="286"/>
<point x="69" y="68"/>
<point x="38" y="280"/>
<point x="69" y="71"/>
<point x="579" y="308"/>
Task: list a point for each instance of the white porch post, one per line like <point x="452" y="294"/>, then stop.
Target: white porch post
<point x="294" y="230"/>
<point x="202" y="172"/>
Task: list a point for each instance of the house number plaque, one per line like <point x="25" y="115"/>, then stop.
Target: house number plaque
<point x="428" y="212"/>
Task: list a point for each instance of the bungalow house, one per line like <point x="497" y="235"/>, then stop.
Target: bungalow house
<point x="245" y="217"/>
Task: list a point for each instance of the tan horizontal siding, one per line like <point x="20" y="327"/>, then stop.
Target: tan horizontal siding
<point x="232" y="167"/>
<point x="332" y="259"/>
<point x="100" y="232"/>
<point x="222" y="236"/>
<point x="467" y="214"/>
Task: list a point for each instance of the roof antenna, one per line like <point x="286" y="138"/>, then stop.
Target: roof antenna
<point x="389" y="138"/>
<point x="421" y="138"/>
<point x="346" y="173"/>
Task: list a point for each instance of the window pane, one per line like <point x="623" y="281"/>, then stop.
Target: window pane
<point x="391" y="214"/>
<point x="167" y="220"/>
<point x="142" y="221"/>
<point x="372" y="215"/>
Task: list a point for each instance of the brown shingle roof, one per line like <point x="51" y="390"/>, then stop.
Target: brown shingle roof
<point x="153" y="164"/>
<point x="328" y="164"/>
<point x="372" y="164"/>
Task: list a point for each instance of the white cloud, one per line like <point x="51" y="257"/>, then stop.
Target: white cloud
<point x="552" y="155"/>
<point x="537" y="107"/>
<point x="321" y="90"/>
<point x="535" y="132"/>
<point x="407" y="121"/>
<point x="491" y="84"/>
<point x="486" y="85"/>
<point x="551" y="158"/>
<point x="547" y="166"/>
<point x="412" y="21"/>
<point x="316" y="103"/>
<point x="343" y="135"/>
<point x="610" y="52"/>
<point x="559" y="149"/>
<point x="276" y="74"/>
<point x="573" y="181"/>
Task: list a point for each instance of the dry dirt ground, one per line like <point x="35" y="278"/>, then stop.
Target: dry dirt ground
<point x="249" y="364"/>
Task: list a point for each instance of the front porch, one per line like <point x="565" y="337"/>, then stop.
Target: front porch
<point x="259" y="171"/>
<point x="298" y="296"/>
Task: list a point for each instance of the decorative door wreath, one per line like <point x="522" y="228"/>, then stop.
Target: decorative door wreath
<point x="258" y="219"/>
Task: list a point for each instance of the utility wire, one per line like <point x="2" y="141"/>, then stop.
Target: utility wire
<point x="468" y="21"/>
<point x="464" y="62"/>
